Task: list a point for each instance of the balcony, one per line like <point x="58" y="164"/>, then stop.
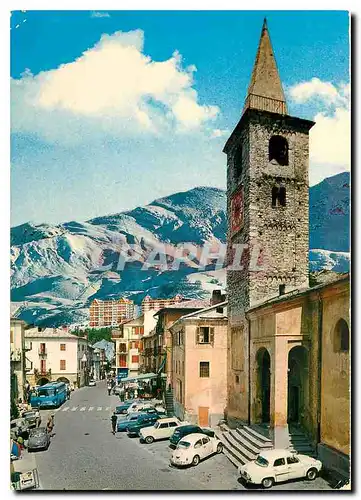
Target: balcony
<point x="42" y="352"/>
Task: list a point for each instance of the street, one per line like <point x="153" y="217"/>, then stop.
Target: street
<point x="85" y="455"/>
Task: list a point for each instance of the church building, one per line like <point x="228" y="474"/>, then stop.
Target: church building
<point x="288" y="343"/>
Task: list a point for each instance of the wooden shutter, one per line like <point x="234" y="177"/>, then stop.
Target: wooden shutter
<point x="211" y="335"/>
<point x="197" y="335"/>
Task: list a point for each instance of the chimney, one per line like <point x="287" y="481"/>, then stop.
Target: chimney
<point x="217" y="297"/>
<point x="39" y="328"/>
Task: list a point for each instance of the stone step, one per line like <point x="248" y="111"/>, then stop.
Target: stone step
<point x="244" y="439"/>
<point x="241" y="450"/>
<point x="231" y="453"/>
<point x="257" y="435"/>
<point x="253" y="440"/>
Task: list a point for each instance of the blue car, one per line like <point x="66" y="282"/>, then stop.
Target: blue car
<point x="133" y="417"/>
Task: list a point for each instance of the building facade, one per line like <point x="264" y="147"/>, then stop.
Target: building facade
<point x="105" y="313"/>
<point x="199" y="376"/>
<point x="20" y="363"/>
<point x="149" y="304"/>
<point x="127" y="341"/>
<point x="55" y="355"/>
<point x="287" y="363"/>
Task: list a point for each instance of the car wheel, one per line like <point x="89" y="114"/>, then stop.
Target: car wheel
<point x="267" y="482"/>
<point x="219" y="448"/>
<point x="311" y="474"/>
<point x="149" y="439"/>
<point x="195" y="460"/>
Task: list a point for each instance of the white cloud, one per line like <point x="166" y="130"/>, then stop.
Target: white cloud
<point x="114" y="87"/>
<point x="99" y="14"/>
<point x="219" y="133"/>
<point x="330" y="138"/>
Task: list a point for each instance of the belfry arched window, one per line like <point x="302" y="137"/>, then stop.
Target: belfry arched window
<point x="278" y="150"/>
<point x="341" y="336"/>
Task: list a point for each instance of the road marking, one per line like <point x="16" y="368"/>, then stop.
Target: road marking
<point x="82" y="409"/>
<point x="107" y="408"/>
<point x="99" y="408"/>
<point x="91" y="408"/>
<point x="66" y="409"/>
<point x="74" y="408"/>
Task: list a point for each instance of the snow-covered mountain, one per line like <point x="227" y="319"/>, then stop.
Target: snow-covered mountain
<point x="57" y="270"/>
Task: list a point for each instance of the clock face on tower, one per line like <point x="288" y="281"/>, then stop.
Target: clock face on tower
<point x="237" y="211"/>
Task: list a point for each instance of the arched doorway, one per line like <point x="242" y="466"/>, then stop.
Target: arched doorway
<point x="264" y="383"/>
<point x="43" y="381"/>
<point x="63" y="379"/>
<point x="297" y="384"/>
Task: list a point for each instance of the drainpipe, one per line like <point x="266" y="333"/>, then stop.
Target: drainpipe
<point x="249" y="371"/>
<point x="320" y="324"/>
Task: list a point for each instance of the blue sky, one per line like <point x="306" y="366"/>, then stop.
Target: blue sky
<point x="110" y="110"/>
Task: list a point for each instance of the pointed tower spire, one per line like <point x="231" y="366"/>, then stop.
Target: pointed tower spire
<point x="265" y="90"/>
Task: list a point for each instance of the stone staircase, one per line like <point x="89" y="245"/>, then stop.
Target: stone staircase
<point x="169" y="404"/>
<point x="244" y="443"/>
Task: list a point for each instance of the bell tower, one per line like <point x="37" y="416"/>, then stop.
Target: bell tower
<point x="267" y="204"/>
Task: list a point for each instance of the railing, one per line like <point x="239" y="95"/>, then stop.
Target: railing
<point x="42" y="351"/>
<point x="266" y="104"/>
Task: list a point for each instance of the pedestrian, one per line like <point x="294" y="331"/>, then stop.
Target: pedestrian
<point x="38" y="417"/>
<point x="114" y="419"/>
<point x="68" y="391"/>
<point x="109" y="388"/>
<point x="50" y="424"/>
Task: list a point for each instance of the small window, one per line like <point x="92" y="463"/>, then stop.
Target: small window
<point x="163" y="426"/>
<point x="198" y="444"/>
<point x="278" y="150"/>
<point x="173" y="424"/>
<point x="278" y="196"/>
<point x="237" y="379"/>
<point x="11" y="337"/>
<point x="341" y="336"/>
<point x="279" y="462"/>
<point x="205" y="440"/>
<point x="205" y="335"/>
<point x="282" y="289"/>
<point x="62" y="364"/>
<point x="292" y="460"/>
<point x="204" y="369"/>
<point x="135" y="359"/>
<point x="219" y="310"/>
<point x="62" y="347"/>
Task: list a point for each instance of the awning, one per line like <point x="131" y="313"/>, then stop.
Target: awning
<point x="143" y="376"/>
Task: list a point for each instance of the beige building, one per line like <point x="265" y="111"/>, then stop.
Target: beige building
<point x="105" y="313"/>
<point x="57" y="354"/>
<point x="149" y="304"/>
<point x="199" y="377"/>
<point x="20" y="363"/>
<point x="127" y="341"/>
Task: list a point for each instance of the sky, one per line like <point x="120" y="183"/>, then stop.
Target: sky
<point x="113" y="109"/>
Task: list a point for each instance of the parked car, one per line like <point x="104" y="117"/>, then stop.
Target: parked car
<point x="195" y="447"/>
<point x="30" y="418"/>
<point x="147" y="420"/>
<point x="38" y="439"/>
<point x="274" y="466"/>
<point x="123" y="424"/>
<point x="139" y="405"/>
<point x="122" y="409"/>
<point x="184" y="430"/>
<point x="162" y="429"/>
<point x="92" y="383"/>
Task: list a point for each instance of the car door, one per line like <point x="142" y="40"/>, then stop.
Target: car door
<point x="207" y="446"/>
<point x="280" y="469"/>
<point x="162" y="431"/>
<point x="295" y="468"/>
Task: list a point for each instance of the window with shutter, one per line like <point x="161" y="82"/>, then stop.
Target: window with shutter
<point x="211" y="335"/>
<point x="197" y="335"/>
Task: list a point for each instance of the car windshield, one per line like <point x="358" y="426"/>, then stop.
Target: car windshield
<point x="29" y="414"/>
<point x="261" y="461"/>
<point x="37" y="432"/>
<point x="183" y="444"/>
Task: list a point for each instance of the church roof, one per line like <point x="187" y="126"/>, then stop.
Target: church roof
<point x="265" y="90"/>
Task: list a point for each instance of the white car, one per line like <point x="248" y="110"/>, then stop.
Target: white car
<point x="92" y="383"/>
<point x="162" y="429"/>
<point x="195" y="447"/>
<point x="275" y="466"/>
